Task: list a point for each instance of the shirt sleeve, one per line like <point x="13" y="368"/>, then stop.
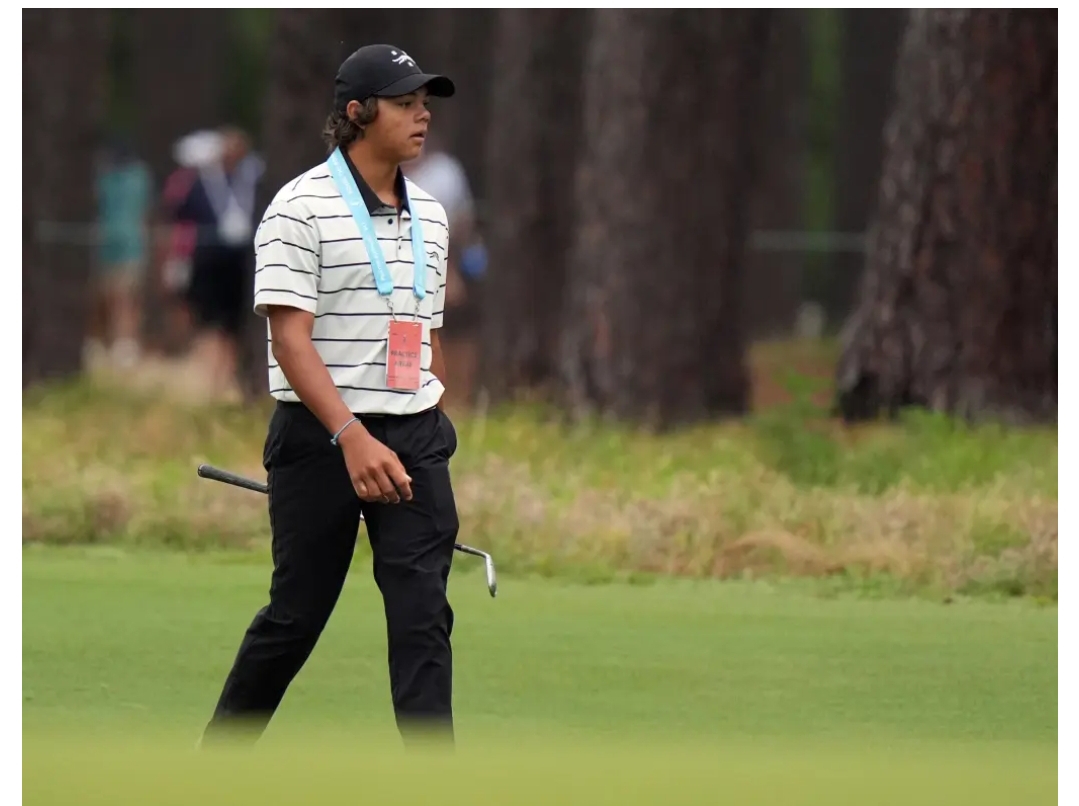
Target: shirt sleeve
<point x="439" y="305"/>
<point x="286" y="259"/>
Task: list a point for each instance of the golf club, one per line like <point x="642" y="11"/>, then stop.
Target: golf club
<point x="217" y="474"/>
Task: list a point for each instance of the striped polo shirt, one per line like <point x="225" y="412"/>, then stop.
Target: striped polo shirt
<point x="309" y="254"/>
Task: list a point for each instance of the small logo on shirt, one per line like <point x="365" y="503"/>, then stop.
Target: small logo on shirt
<point x="402" y="58"/>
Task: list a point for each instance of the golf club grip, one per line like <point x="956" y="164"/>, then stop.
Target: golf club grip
<point x="216" y="474"/>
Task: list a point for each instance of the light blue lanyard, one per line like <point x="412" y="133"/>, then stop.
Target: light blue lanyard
<point x="346" y="185"/>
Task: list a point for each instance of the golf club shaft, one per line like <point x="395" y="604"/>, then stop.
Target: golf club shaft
<point x="217" y="474"/>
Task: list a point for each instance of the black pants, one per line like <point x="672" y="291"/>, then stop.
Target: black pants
<point x="315" y="517"/>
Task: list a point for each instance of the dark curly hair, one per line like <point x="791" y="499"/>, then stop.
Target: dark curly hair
<point x="341" y="130"/>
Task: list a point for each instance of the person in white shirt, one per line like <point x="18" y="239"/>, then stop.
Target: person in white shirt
<point x="443" y="176"/>
<point x="350" y="273"/>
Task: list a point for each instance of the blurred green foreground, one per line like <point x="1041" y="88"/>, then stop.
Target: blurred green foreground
<point x="531" y="772"/>
<point x="669" y="693"/>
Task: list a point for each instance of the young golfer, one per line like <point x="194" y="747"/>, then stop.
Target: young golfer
<point x="351" y="275"/>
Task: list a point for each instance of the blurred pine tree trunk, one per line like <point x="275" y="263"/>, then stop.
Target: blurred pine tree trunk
<point x="306" y="49"/>
<point x="773" y="277"/>
<point x="178" y="61"/>
<point x="870" y="45"/>
<point x="533" y="141"/>
<point x="64" y="71"/>
<point x="459" y="43"/>
<point x="304" y="57"/>
<point x="654" y="330"/>
<point x="959" y="302"/>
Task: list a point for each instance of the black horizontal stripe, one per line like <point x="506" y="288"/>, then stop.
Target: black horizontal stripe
<point x="403" y="240"/>
<point x="284" y="291"/>
<point x="360" y="263"/>
<point x="283" y="266"/>
<point x="282" y="215"/>
<point x="363" y="263"/>
<point x="354" y="366"/>
<point x="365" y="389"/>
<point x="321" y="176"/>
<point x="350" y="265"/>
<point x="381" y="340"/>
<point x="363" y="288"/>
<point x="386" y="314"/>
<point x="285" y="243"/>
<point x="347" y="215"/>
<point x="291" y="199"/>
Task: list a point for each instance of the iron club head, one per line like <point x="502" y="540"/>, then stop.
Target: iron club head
<point x="492" y="583"/>
<point x="489" y="566"/>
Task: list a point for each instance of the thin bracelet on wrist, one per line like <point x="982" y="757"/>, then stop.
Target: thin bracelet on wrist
<point x="341" y="430"/>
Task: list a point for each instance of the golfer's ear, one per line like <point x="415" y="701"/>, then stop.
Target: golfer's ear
<point x="353" y="110"/>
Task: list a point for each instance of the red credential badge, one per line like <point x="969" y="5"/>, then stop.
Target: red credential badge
<point x="403" y="355"/>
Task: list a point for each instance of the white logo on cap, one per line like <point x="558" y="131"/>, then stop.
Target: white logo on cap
<point x="402" y="58"/>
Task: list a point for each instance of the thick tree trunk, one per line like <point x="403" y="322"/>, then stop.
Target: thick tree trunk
<point x="532" y="144"/>
<point x="300" y="92"/>
<point x="64" y="58"/>
<point x="459" y="43"/>
<point x="301" y="70"/>
<point x="179" y="62"/>
<point x="870" y="44"/>
<point x="958" y="306"/>
<point x="772" y="276"/>
<point x="654" y="331"/>
<point x="34" y="39"/>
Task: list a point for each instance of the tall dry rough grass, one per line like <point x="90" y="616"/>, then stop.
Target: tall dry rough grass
<point x="922" y="506"/>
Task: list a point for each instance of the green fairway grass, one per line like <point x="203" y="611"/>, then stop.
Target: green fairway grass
<point x="675" y="692"/>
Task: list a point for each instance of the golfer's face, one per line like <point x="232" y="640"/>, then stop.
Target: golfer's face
<point x="401" y="125"/>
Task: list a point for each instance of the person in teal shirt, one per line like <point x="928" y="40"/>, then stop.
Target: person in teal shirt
<point x="124" y="195"/>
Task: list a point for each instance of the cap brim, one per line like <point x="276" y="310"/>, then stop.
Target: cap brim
<point x="438" y="86"/>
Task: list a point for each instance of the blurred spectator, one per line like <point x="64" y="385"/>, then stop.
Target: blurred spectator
<point x="219" y="204"/>
<point x="177" y="241"/>
<point x="123" y="192"/>
<point x="176" y="248"/>
<point x="442" y="175"/>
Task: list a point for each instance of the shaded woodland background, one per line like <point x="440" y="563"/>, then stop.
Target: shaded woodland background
<point x="658" y="190"/>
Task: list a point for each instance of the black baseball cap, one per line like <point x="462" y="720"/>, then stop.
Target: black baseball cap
<point x="384" y="71"/>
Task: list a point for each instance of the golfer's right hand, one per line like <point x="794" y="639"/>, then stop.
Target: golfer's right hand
<point x="376" y="472"/>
